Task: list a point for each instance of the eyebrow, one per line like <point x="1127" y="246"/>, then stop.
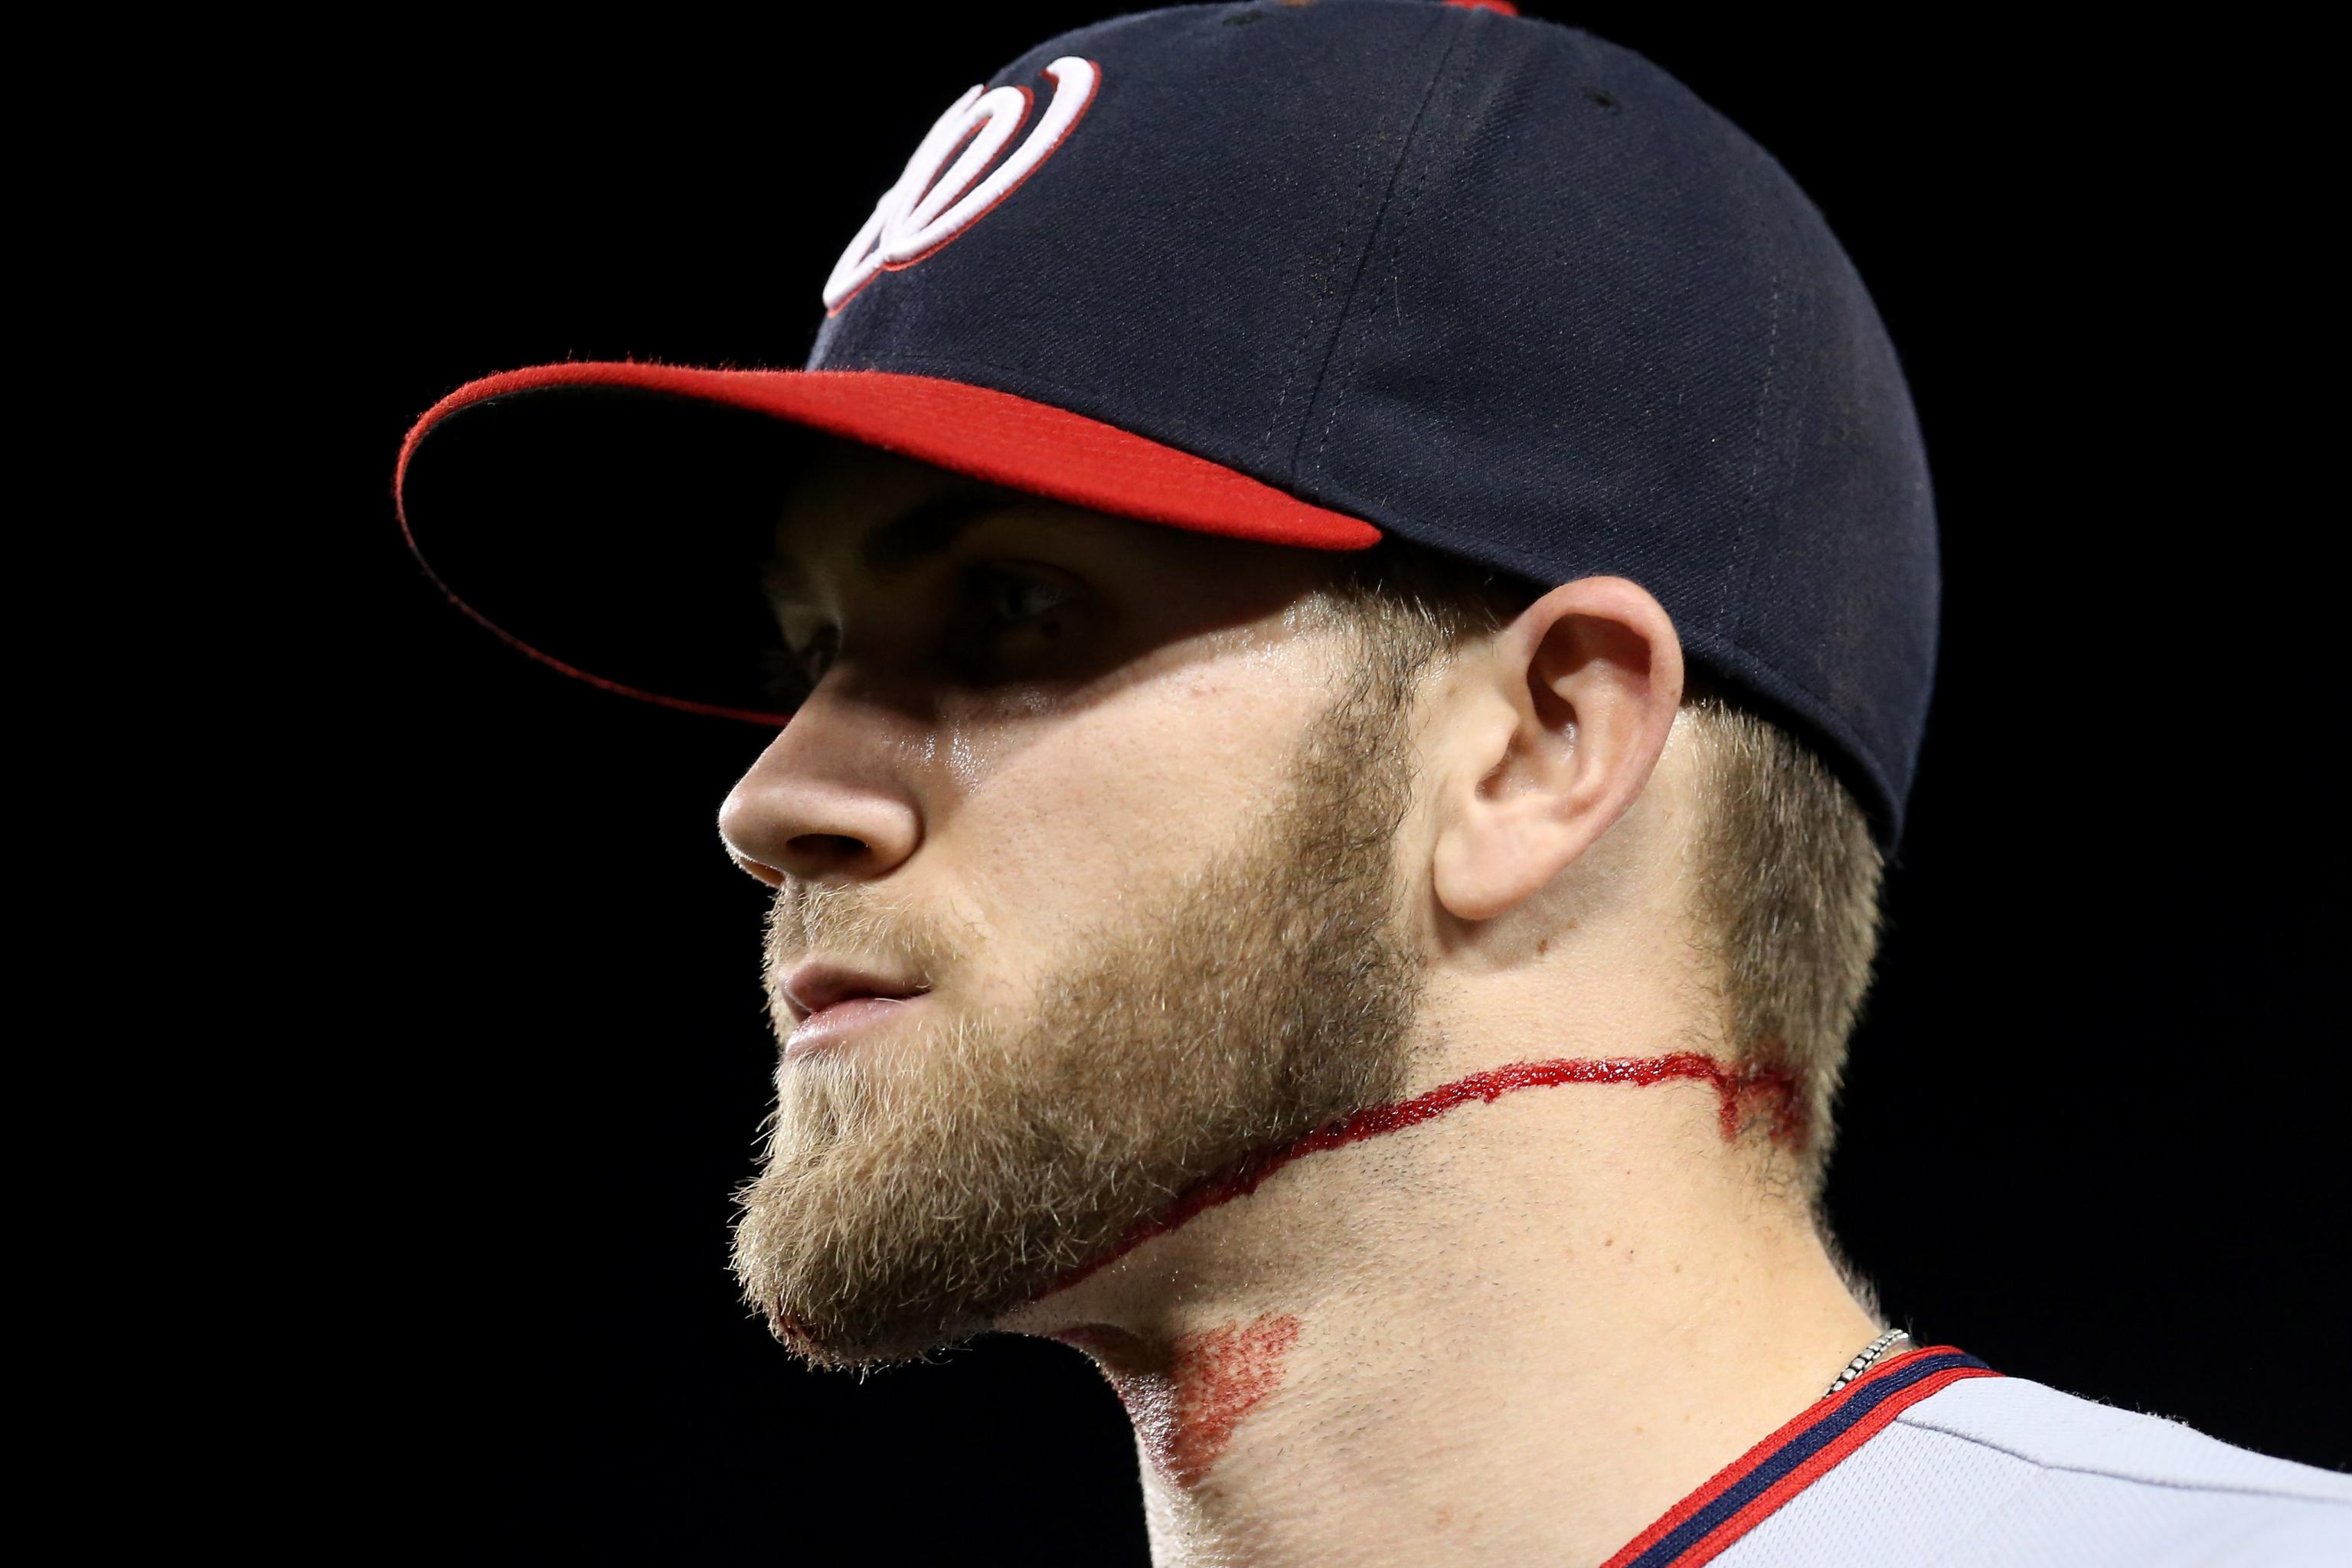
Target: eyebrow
<point x="891" y="551"/>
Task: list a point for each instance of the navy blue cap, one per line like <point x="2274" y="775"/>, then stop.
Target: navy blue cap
<point x="1308" y="274"/>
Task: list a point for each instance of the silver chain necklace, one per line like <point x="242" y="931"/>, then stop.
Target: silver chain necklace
<point x="1861" y="1363"/>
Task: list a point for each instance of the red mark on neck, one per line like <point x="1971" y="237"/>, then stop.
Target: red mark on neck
<point x="1187" y="1397"/>
<point x="1734" y="1088"/>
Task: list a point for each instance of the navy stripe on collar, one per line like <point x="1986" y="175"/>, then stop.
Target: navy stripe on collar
<point x="1749" y="1490"/>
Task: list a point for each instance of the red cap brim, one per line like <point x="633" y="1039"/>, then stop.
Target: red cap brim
<point x="992" y="436"/>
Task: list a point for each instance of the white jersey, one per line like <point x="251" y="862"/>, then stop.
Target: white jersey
<point x="1935" y="1460"/>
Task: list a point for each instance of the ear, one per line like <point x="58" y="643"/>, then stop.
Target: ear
<point x="1557" y="736"/>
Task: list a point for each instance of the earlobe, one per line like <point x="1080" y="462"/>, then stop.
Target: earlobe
<point x="1558" y="740"/>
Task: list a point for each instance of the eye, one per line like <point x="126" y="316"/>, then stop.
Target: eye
<point x="1009" y="619"/>
<point x="1019" y="598"/>
<point x="1006" y="599"/>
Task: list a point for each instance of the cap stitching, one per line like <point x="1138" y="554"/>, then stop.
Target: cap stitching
<point x="1315" y="311"/>
<point x="1396" y="252"/>
<point x="1731" y="566"/>
<point x="1363" y="260"/>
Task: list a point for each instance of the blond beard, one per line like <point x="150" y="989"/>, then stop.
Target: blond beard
<point x="914" y="1193"/>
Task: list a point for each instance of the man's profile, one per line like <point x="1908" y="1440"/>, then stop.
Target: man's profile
<point x="1355" y="632"/>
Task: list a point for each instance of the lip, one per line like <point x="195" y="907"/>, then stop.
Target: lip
<point x="818" y="985"/>
<point x="831" y="1025"/>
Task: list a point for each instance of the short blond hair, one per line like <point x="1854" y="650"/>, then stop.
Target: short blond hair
<point x="1788" y="872"/>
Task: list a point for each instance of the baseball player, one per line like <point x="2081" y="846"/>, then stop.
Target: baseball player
<point x="1348" y="599"/>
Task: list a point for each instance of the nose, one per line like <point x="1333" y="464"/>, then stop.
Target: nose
<point x="822" y="800"/>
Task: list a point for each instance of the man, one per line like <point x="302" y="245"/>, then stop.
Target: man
<point x="1355" y="639"/>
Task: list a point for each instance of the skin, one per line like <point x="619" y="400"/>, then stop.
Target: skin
<point x="1519" y="1331"/>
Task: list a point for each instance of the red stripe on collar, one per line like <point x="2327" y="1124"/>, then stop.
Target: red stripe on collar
<point x="1745" y="1493"/>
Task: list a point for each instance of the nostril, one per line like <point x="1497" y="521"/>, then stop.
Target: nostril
<point x="828" y="845"/>
<point x="751" y="868"/>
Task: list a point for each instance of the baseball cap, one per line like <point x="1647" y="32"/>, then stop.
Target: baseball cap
<point x="1313" y="275"/>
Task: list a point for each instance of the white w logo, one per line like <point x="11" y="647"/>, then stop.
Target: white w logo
<point x="935" y="200"/>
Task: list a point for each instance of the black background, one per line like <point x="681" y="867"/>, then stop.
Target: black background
<point x="2093" y="1127"/>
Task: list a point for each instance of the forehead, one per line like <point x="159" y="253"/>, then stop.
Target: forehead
<point x="857" y="510"/>
<point x="844" y="480"/>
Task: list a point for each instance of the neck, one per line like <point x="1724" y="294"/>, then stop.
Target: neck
<point x="1515" y="1326"/>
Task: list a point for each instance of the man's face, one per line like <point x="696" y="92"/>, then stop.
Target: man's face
<point x="1126" y="804"/>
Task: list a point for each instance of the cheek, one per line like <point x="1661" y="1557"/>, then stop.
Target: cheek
<point x="1065" y="820"/>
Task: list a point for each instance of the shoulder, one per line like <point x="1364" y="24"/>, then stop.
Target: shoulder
<point x="2057" y="1432"/>
<point x="2005" y="1471"/>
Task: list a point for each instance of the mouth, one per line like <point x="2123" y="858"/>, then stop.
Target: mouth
<point x="818" y="985"/>
<point x="834" y="1024"/>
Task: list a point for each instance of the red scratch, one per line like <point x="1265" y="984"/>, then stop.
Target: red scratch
<point x="1733" y="1088"/>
